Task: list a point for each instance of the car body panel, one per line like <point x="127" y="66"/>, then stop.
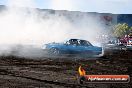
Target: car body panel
<point x="77" y="48"/>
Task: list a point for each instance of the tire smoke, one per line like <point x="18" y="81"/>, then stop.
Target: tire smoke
<point x="20" y="24"/>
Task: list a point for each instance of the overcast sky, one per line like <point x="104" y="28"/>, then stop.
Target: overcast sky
<point x="103" y="6"/>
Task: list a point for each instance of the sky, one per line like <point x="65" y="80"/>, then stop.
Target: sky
<point x="102" y="6"/>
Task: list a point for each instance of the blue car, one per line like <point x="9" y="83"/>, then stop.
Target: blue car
<point x="73" y="46"/>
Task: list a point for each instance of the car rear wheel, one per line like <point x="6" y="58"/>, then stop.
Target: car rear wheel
<point x="54" y="51"/>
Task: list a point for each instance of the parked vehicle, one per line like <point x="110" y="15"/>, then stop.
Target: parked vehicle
<point x="73" y="46"/>
<point x="126" y="40"/>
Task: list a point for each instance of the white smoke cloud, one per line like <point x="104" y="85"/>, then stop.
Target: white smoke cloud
<point x="21" y="24"/>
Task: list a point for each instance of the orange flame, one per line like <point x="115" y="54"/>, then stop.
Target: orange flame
<point x="81" y="71"/>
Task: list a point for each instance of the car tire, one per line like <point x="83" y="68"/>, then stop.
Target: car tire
<point x="54" y="51"/>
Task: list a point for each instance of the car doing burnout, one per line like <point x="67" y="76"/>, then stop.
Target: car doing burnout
<point x="73" y="46"/>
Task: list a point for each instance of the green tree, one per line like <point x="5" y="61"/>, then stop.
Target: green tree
<point x="120" y="30"/>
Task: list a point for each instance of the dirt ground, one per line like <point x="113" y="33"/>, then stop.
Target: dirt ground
<point x="18" y="72"/>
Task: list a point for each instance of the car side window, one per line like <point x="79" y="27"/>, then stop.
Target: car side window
<point x="84" y="43"/>
<point x="89" y="44"/>
<point x="73" y="42"/>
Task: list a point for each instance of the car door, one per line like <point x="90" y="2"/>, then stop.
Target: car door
<point x="73" y="49"/>
<point x="85" y="46"/>
<point x="70" y="48"/>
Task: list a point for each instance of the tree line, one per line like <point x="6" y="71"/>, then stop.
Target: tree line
<point x="120" y="30"/>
